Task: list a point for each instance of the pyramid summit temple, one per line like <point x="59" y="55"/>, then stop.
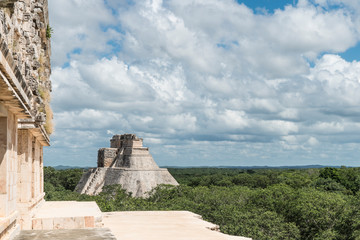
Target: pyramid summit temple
<point x="127" y="163"/>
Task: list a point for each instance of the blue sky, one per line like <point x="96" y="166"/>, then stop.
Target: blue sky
<point x="207" y="83"/>
<point x="267" y="5"/>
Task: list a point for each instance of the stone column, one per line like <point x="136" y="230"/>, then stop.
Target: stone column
<point x="8" y="164"/>
<point x="12" y="161"/>
<point x="3" y="166"/>
<point x="41" y="170"/>
<point x="37" y="155"/>
<point x="25" y="159"/>
<point x="30" y="180"/>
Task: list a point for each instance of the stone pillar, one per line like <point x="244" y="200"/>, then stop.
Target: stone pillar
<point x="31" y="188"/>
<point x="8" y="165"/>
<point x="8" y="172"/>
<point x="37" y="151"/>
<point x="12" y="159"/>
<point x="32" y="168"/>
<point x="41" y="170"/>
<point x="3" y="166"/>
<point x="25" y="172"/>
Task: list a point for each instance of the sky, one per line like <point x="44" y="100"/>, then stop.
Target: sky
<point x="207" y="82"/>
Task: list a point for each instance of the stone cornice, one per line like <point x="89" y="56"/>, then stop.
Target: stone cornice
<point x="36" y="128"/>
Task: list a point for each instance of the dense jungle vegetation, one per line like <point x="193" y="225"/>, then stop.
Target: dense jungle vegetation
<point x="260" y="203"/>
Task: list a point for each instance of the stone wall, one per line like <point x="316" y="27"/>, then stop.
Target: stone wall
<point x="8" y="168"/>
<point x="25" y="38"/>
<point x="125" y="140"/>
<point x="25" y="113"/>
<point x="106" y="156"/>
<point x="30" y="176"/>
<point x="8" y="164"/>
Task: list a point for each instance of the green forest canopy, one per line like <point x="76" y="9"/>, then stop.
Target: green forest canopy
<point x="257" y="203"/>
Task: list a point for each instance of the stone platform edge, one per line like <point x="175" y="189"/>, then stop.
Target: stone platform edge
<point x="67" y="215"/>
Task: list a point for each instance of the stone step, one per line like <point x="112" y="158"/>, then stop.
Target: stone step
<point x="67" y="215"/>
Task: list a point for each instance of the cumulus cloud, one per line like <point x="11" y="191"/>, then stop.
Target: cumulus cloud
<point x="82" y="30"/>
<point x="208" y="78"/>
<point x="340" y="79"/>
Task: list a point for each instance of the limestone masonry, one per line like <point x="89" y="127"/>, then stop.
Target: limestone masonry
<point x="25" y="114"/>
<point x="127" y="163"/>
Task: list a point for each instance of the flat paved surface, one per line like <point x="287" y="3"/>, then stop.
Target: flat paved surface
<point x="56" y="209"/>
<point x="162" y="225"/>
<point x="72" y="234"/>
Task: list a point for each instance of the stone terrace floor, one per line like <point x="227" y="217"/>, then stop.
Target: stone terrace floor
<point x="138" y="225"/>
<point x="162" y="225"/>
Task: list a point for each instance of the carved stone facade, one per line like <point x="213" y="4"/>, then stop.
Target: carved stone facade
<point x="127" y="163"/>
<point x="25" y="114"/>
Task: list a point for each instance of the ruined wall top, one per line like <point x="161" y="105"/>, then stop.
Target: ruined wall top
<point x="125" y="140"/>
<point x="25" y="43"/>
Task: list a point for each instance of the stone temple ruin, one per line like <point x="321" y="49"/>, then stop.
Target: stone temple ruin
<point x="127" y="163"/>
<point x="25" y="114"/>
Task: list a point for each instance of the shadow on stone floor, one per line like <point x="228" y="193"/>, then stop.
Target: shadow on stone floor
<point x="63" y="234"/>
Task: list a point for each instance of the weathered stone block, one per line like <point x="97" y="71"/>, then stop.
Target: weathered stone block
<point x="3" y="205"/>
<point x="25" y="192"/>
<point x="25" y="175"/>
<point x="47" y="223"/>
<point x="59" y="223"/>
<point x="89" y="222"/>
<point x="37" y="224"/>
<point x="69" y="223"/>
<point x="106" y="156"/>
<point x="79" y="222"/>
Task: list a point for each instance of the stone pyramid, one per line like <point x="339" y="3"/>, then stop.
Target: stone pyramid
<point x="127" y="163"/>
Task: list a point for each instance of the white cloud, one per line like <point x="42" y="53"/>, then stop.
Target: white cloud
<point x="290" y="114"/>
<point x="340" y="79"/>
<point x="192" y="74"/>
<point x="311" y="30"/>
<point x="77" y="25"/>
<point x="328" y="127"/>
<point x="312" y="141"/>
